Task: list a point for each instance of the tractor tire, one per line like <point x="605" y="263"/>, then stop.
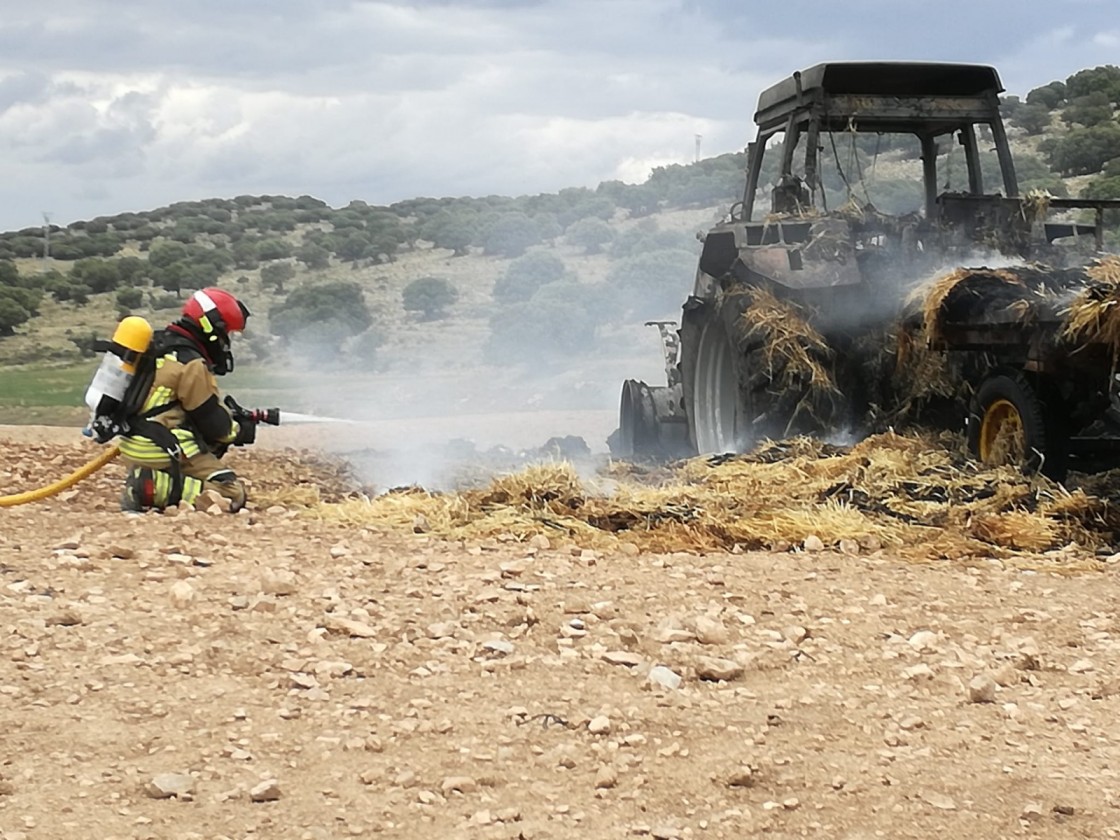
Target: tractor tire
<point x="637" y="422"/>
<point x="650" y="424"/>
<point x="730" y="394"/>
<point x="1010" y="423"/>
<point x="714" y="378"/>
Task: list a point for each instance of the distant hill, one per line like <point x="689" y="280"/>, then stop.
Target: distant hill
<point x="569" y="272"/>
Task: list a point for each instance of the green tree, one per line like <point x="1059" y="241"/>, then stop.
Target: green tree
<point x="1083" y="151"/>
<point x="1088" y="110"/>
<point x="560" y="321"/>
<point x="1033" y="118"/>
<point x="313" y="256"/>
<point x="1009" y="104"/>
<point x="130" y="299"/>
<point x="274" y="249"/>
<point x="653" y="284"/>
<point x="511" y="235"/>
<point x="1106" y="186"/>
<point x="526" y="274"/>
<point x="12" y="314"/>
<point x="277" y="274"/>
<point x="9" y="274"/>
<point x="591" y="207"/>
<point x="382" y="243"/>
<point x="63" y="289"/>
<point x="339" y="302"/>
<point x="186" y="274"/>
<point x="351" y="247"/>
<point x="646" y="236"/>
<point x="96" y="274"/>
<point x="591" y="234"/>
<point x="639" y="200"/>
<point x="1034" y="174"/>
<point x="17" y="305"/>
<point x="1104" y="79"/>
<point x="430" y="297"/>
<point x="365" y="346"/>
<point x="245" y="256"/>
<point x="133" y="271"/>
<point x="163" y="254"/>
<point x="1051" y="96"/>
<point x="454" y="231"/>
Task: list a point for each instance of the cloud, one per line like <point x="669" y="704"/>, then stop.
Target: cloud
<point x="126" y="105"/>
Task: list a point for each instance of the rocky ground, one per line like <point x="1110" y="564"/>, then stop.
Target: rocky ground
<point x="273" y="675"/>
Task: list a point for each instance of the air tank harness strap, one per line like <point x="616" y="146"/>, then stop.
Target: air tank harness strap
<point x="162" y="437"/>
<point x="125" y="354"/>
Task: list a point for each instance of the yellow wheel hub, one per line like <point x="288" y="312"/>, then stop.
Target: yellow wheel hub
<point x="1003" y="439"/>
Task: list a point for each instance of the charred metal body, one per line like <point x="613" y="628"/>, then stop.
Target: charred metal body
<point x="774" y="339"/>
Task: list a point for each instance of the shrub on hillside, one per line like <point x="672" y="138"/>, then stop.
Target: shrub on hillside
<point x="526" y="274"/>
<point x="646" y="236"/>
<point x="96" y="275"/>
<point x="1106" y="186"/>
<point x="1089" y="110"/>
<point x="1083" y="151"/>
<point x="511" y="235"/>
<point x="313" y="256"/>
<point x="1104" y="79"/>
<point x="561" y="319"/>
<point x="130" y="299"/>
<point x="653" y="284"/>
<point x="275" y="275"/>
<point x="454" y="231"/>
<point x="590" y="234"/>
<point x="17" y="306"/>
<point x="430" y="297"/>
<point x="339" y="303"/>
<point x="273" y="249"/>
<point x="1050" y="96"/>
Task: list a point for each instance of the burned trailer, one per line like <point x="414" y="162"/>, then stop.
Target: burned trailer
<point x="1038" y="348"/>
<point x="802" y="315"/>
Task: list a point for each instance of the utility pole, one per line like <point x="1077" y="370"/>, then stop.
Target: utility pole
<point x="698" y="136"/>
<point x="46" y="240"/>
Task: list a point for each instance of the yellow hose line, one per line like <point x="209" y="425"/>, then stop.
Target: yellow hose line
<point x="60" y="485"/>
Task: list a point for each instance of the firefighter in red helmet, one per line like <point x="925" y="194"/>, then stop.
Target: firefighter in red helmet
<point x="174" y="451"/>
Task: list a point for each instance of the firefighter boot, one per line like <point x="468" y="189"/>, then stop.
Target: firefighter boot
<point x="148" y="489"/>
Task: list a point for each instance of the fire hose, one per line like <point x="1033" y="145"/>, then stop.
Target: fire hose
<point x="83" y="471"/>
<point x="271" y="416"/>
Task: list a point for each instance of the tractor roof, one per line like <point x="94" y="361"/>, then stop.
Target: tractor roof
<point x="876" y="89"/>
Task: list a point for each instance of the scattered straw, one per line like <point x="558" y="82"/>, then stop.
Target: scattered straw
<point x="795" y="357"/>
<point x="1094" y="314"/>
<point x="915" y="495"/>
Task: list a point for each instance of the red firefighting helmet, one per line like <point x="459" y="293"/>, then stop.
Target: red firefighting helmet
<point x="215" y="309"/>
<point x="212" y="315"/>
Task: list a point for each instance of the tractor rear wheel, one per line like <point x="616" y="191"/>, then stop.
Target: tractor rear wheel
<point x="1009" y="423"/>
<point x="637" y="421"/>
<point x="718" y="418"/>
<point x="651" y="424"/>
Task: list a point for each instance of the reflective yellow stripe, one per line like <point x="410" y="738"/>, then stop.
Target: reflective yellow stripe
<point x="188" y="442"/>
<point x="148" y="453"/>
<point x="158" y="396"/>
<point x="192" y="487"/>
<point x="143" y="452"/>
<point x="161" y="488"/>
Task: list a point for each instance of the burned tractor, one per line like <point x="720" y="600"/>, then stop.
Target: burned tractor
<point x="835" y="300"/>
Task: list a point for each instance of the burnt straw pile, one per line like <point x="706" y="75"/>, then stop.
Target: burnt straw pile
<point x="913" y="496"/>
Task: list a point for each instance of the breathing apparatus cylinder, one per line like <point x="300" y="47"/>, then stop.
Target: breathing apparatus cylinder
<point x="105" y="393"/>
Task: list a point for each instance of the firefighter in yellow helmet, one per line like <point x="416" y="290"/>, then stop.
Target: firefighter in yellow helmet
<point x="174" y="450"/>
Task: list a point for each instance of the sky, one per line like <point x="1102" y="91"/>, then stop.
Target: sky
<point x="110" y="106"/>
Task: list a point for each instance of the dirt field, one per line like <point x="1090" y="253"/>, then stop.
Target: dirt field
<point x="160" y="674"/>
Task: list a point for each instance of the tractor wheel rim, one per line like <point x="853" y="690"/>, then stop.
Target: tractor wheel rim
<point x="1002" y="437"/>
